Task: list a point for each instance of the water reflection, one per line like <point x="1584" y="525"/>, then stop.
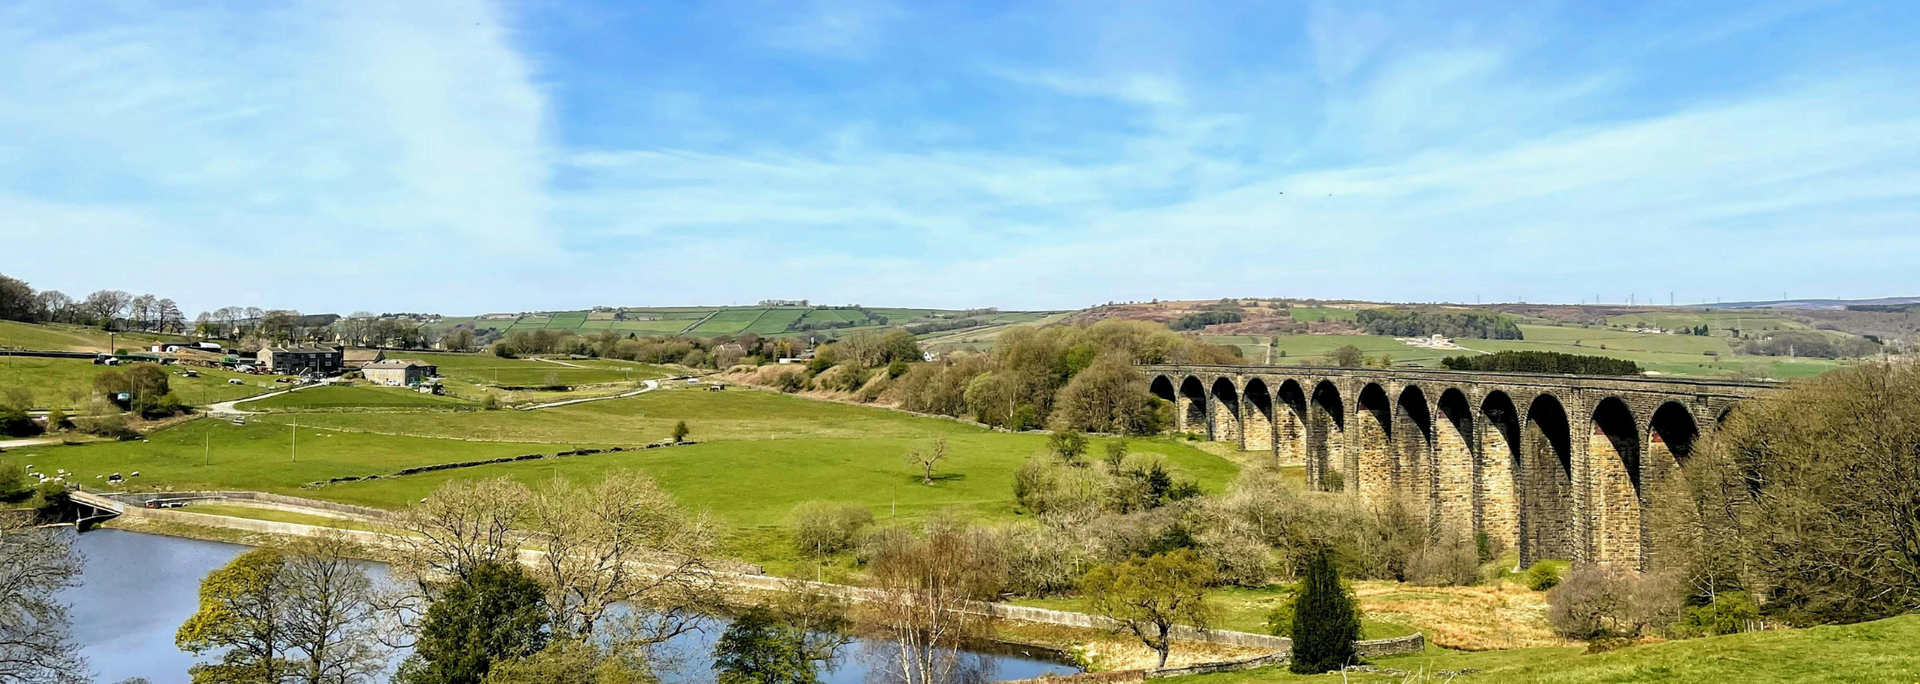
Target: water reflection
<point x="138" y="588"/>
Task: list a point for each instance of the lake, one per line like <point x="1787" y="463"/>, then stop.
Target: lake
<point x="137" y="589"/>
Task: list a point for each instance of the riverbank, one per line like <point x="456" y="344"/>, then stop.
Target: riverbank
<point x="1077" y="635"/>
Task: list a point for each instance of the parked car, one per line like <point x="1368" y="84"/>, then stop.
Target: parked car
<point x="235" y="381"/>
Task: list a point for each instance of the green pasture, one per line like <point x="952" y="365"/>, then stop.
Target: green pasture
<point x="1880" y="651"/>
<point x="487" y="369"/>
<point x="758" y="455"/>
<point x="774" y="321"/>
<point x="835" y="316"/>
<point x="350" y="396"/>
<point x="567" y="320"/>
<point x="260" y="455"/>
<point x="729" y="322"/>
<point x="1719" y="322"/>
<point x="666" y="327"/>
<point x="63" y="337"/>
<point x="68" y="383"/>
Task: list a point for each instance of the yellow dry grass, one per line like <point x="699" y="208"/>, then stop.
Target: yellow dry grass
<point x="1104" y="651"/>
<point x="1496" y="615"/>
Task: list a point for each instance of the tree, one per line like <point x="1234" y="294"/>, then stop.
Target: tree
<point x="461" y="339"/>
<point x="680" y="432"/>
<point x="36" y="641"/>
<point x="760" y="648"/>
<point x="571" y="662"/>
<point x="56" y="306"/>
<point x="624" y="540"/>
<point x="104" y="306"/>
<point x="1067" y="445"/>
<point x="461" y="526"/>
<point x="1325" y="622"/>
<point x="1348" y="356"/>
<point x="329" y="613"/>
<point x="240" y="607"/>
<point x="495" y="612"/>
<point x="1765" y="505"/>
<point x="923" y="600"/>
<point x="17" y="301"/>
<point x="1149" y="596"/>
<point x="927" y="459"/>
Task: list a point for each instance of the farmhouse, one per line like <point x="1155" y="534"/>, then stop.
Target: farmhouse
<point x="302" y="360"/>
<point x="398" y="372"/>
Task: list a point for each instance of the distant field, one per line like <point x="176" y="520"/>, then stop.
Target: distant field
<point x="567" y="321"/>
<point x="1718" y="321"/>
<point x="1308" y="314"/>
<point x="1687" y="355"/>
<point x="729" y="322"/>
<point x="68" y="383"/>
<point x="343" y="396"/>
<point x="63" y="337"/>
<point x="487" y="369"/>
<point x="774" y="321"/>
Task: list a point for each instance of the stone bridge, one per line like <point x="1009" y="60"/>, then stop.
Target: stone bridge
<point x="1557" y="466"/>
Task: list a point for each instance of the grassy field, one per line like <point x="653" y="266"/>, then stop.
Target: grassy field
<point x="1237" y="609"/>
<point x="1881" y="651"/>
<point x="63" y="337"/>
<point x="487" y="369"/>
<point x="68" y="383"/>
<point x="1685" y="355"/>
<point x="351" y="396"/>
<point x="760" y="453"/>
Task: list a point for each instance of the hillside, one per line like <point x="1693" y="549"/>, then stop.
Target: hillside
<point x="765" y="321"/>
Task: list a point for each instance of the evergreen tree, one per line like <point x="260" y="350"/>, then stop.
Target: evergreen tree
<point x="495" y="613"/>
<point x="1325" y="621"/>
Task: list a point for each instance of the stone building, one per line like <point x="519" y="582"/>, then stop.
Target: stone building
<point x="398" y="372"/>
<point x="302" y="360"/>
<point x="359" y="358"/>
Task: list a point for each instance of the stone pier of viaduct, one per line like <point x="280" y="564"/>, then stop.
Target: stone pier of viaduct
<point x="1558" y="466"/>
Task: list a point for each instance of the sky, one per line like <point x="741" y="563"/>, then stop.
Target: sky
<point x="470" y="156"/>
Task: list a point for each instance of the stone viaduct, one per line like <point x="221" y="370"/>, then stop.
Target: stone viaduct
<point x="1557" y="466"/>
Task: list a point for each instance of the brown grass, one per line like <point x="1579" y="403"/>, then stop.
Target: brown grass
<point x="1497" y="615"/>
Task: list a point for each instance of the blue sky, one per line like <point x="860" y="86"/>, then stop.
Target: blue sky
<point x="465" y="156"/>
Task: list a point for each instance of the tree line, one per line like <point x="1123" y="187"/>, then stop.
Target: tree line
<point x="1423" y="323"/>
<point x="1542" y="362"/>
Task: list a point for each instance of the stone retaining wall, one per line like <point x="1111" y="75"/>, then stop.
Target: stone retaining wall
<point x="140" y="499"/>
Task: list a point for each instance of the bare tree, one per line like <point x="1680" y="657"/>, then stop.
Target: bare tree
<point x="460" y="526"/>
<point x="56" y="306"/>
<point x="624" y="540"/>
<point x="929" y="458"/>
<point x="926" y="588"/>
<point x="36" y="646"/>
<point x="104" y="306"/>
<point x="168" y="317"/>
<point x="329" y="617"/>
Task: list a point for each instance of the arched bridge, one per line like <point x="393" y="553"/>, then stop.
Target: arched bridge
<point x="1556" y="465"/>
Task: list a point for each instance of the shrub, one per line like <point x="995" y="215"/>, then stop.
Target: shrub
<point x="1024" y="417"/>
<point x="1067" y="445"/>
<point x="1280" y="619"/>
<point x="490" y="402"/>
<point x="1444" y="563"/>
<point x="155" y="408"/>
<point x="111" y="425"/>
<point x="15" y="422"/>
<point x="821" y="528"/>
<point x="1332" y="481"/>
<point x="1040" y="560"/>
<point x="896" y="369"/>
<point x="1542" y="576"/>
<point x="1325" y="620"/>
<point x="1604" y="602"/>
<point x="1728" y="613"/>
<point x="790" y="382"/>
<point x="13" y="480"/>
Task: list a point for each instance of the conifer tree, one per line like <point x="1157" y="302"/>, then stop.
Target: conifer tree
<point x="1325" y="621"/>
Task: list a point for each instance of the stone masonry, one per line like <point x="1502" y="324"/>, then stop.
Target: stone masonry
<point x="1558" y="465"/>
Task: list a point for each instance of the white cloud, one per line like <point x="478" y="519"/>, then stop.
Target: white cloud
<point x="326" y="152"/>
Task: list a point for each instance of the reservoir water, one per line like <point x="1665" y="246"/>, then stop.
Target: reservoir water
<point x="138" y="588"/>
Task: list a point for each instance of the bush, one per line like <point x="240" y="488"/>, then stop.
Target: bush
<point x="1040" y="560"/>
<point x="490" y="402"/>
<point x="821" y="528"/>
<point x="896" y="369"/>
<point x="1332" y="481"/>
<point x="1542" y="576"/>
<point x="1728" y="613"/>
<point x="15" y="422"/>
<point x="790" y="382"/>
<point x="163" y="406"/>
<point x="112" y="425"/>
<point x="1444" y="563"/>
<point x="1280" y="619"/>
<point x="13" y="480"/>
<point x="1604" y="602"/>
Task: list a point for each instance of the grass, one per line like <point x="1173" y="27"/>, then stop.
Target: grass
<point x="68" y="383"/>
<point x="761" y="453"/>
<point x="1880" y="651"/>
<point x="487" y="369"/>
<point x="64" y="337"/>
<point x="729" y="322"/>
<point x="1238" y="609"/>
<point x="351" y="396"/>
<point x="277" y="515"/>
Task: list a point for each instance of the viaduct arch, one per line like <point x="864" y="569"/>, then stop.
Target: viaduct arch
<point x="1558" y="466"/>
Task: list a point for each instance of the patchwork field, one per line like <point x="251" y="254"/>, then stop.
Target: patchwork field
<point x="344" y="396"/>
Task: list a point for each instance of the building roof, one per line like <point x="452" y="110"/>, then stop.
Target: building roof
<point x="305" y="350"/>
<point x="399" y="363"/>
<point x="365" y="355"/>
